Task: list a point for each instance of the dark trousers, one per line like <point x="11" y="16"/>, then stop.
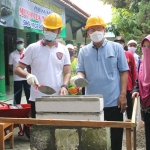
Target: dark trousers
<point x="113" y="114"/>
<point x="18" y="85"/>
<point x="83" y="91"/>
<point x="129" y="104"/>
<point x="146" y="119"/>
<point x="33" y="111"/>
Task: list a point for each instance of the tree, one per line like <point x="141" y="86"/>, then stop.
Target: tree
<point x="131" y="19"/>
<point x="143" y="17"/>
<point x="123" y="3"/>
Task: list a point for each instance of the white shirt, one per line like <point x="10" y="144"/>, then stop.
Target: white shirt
<point x="46" y="64"/>
<point x="14" y="58"/>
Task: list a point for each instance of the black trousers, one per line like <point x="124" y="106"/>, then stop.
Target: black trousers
<point x="113" y="114"/>
<point x="83" y="91"/>
<point x="33" y="111"/>
<point x="146" y="119"/>
<point x="129" y="104"/>
<point x="18" y="86"/>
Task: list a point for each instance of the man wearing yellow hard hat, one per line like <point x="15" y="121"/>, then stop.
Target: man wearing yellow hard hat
<point x="103" y="65"/>
<point x="48" y="60"/>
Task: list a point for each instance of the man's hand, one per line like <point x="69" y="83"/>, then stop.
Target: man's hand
<point x="135" y="94"/>
<point x="32" y="80"/>
<point x="122" y="102"/>
<point x="63" y="91"/>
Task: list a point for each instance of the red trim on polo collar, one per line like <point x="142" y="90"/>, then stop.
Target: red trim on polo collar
<point x="56" y="44"/>
<point x="43" y="44"/>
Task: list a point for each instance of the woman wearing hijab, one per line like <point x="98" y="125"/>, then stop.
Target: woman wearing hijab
<point x="143" y="88"/>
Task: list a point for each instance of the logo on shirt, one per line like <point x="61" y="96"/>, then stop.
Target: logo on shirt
<point x="59" y="55"/>
<point x="22" y="56"/>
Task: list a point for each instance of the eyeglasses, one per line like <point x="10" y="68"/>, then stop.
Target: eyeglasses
<point x="91" y="30"/>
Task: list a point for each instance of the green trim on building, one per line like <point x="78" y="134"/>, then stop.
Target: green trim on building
<point x="2" y="67"/>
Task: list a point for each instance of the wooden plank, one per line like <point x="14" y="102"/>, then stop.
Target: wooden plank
<point x="69" y="123"/>
<point x="128" y="139"/>
<point x="134" y="110"/>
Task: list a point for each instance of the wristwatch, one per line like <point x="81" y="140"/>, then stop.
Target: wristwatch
<point x="65" y="85"/>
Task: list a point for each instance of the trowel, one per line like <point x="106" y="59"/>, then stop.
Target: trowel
<point x="46" y="89"/>
<point x="81" y="82"/>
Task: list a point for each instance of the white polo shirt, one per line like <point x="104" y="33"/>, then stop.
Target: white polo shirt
<point x="46" y="64"/>
<point x="14" y="57"/>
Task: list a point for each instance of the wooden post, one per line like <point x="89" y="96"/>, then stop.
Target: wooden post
<point x="2" y="138"/>
<point x="134" y="138"/>
<point x="128" y="139"/>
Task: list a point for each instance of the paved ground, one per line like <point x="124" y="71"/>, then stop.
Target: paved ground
<point x="20" y="142"/>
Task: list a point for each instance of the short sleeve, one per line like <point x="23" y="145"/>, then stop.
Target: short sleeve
<point x="80" y="65"/>
<point x="67" y="57"/>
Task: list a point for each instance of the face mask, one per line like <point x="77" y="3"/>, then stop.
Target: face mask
<point x="146" y="67"/>
<point x="20" y="46"/>
<point x="97" y="36"/>
<point x="71" y="53"/>
<point x="146" y="50"/>
<point x="49" y="36"/>
<point x="132" y="49"/>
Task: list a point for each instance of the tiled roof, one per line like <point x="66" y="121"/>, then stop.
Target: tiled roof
<point x="74" y="7"/>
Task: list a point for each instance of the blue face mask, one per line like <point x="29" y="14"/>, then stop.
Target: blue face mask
<point x="49" y="36"/>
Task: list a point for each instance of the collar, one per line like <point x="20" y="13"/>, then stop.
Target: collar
<point x="43" y="43"/>
<point x="104" y="43"/>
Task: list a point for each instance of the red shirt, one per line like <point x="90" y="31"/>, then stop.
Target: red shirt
<point x="132" y="74"/>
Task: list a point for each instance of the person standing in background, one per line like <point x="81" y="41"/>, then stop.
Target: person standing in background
<point x="75" y="51"/>
<point x="132" y="47"/>
<point x="72" y="89"/>
<point x="19" y="82"/>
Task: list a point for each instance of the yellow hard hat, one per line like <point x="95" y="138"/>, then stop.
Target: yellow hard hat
<point x="52" y="21"/>
<point x="94" y="21"/>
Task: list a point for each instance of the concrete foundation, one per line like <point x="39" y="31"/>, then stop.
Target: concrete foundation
<point x="49" y="138"/>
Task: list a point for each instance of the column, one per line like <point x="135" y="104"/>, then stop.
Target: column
<point x="2" y="67"/>
<point x="31" y="38"/>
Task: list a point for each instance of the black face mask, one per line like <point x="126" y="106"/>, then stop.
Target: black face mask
<point x="71" y="53"/>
